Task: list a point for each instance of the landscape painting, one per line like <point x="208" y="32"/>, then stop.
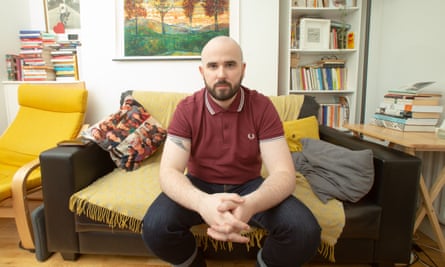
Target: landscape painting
<point x="172" y="28"/>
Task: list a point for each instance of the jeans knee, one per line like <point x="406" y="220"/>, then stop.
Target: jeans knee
<point x="149" y="232"/>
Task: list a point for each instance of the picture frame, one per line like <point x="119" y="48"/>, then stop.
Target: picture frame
<point x="62" y="16"/>
<point x="171" y="35"/>
<point x="314" y="34"/>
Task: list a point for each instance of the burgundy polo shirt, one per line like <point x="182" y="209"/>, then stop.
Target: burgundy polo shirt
<point x="225" y="143"/>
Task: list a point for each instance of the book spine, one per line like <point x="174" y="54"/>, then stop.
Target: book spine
<point x="389" y="118"/>
<point x="389" y="124"/>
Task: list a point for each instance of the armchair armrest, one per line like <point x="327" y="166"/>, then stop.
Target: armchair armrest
<point x="395" y="189"/>
<point x="65" y="170"/>
<point x="20" y="205"/>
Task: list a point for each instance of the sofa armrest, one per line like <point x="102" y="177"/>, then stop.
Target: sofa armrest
<point x="66" y="170"/>
<point x="395" y="189"/>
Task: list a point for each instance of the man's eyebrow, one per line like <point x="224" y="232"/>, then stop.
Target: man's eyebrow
<point x="210" y="63"/>
<point x="230" y="62"/>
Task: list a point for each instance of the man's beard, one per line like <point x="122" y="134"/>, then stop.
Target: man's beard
<point x="223" y="95"/>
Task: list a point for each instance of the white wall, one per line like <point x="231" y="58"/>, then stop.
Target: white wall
<point x="106" y="79"/>
<point x="406" y="45"/>
<point x="10" y="26"/>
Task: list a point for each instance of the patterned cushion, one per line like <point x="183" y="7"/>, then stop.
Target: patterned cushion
<point x="130" y="135"/>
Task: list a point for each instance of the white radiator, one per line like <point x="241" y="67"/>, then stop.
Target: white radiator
<point x="432" y="164"/>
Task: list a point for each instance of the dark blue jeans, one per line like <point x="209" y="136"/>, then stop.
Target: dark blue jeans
<point x="293" y="232"/>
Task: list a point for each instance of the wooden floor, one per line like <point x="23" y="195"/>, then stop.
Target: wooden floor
<point x="12" y="255"/>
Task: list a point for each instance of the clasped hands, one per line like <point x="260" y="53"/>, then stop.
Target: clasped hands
<point x="227" y="215"/>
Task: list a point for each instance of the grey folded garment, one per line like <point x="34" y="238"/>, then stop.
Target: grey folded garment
<point x="334" y="171"/>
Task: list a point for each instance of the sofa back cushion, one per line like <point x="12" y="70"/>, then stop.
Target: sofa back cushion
<point x="161" y="105"/>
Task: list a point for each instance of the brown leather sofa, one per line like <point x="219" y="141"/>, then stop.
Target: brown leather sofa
<point x="378" y="228"/>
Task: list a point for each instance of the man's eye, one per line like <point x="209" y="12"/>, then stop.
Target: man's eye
<point x="231" y="64"/>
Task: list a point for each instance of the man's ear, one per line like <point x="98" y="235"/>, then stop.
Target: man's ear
<point x="201" y="70"/>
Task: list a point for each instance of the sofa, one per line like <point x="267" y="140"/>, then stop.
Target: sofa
<point x="377" y="229"/>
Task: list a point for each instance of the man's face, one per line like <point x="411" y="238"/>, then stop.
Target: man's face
<point x="222" y="70"/>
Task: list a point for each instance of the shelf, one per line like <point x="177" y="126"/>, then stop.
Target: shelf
<point x="325" y="10"/>
<point x="330" y="92"/>
<point x="322" y="52"/>
<point x="42" y="82"/>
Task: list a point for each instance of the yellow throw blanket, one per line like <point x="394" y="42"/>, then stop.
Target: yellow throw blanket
<point x="120" y="199"/>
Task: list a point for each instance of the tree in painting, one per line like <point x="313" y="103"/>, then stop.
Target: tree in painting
<point x="213" y="8"/>
<point x="135" y="10"/>
<point x="163" y="6"/>
<point x="189" y="8"/>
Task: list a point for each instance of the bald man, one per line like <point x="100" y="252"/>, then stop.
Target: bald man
<point x="221" y="135"/>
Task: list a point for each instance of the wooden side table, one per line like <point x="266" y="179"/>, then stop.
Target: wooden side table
<point x="411" y="142"/>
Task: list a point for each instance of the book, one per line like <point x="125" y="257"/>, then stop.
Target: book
<point x="422" y="100"/>
<point x="407" y="121"/>
<point x="403" y="127"/>
<point x="412" y="88"/>
<point x="424" y="115"/>
<point x="400" y="108"/>
<point x="332" y="62"/>
<point x="11" y="66"/>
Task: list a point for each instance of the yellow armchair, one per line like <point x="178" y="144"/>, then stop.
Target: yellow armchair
<point x="48" y="114"/>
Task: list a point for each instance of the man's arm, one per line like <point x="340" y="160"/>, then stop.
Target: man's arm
<point x="179" y="188"/>
<point x="281" y="180"/>
<point x="277" y="186"/>
<point x="173" y="181"/>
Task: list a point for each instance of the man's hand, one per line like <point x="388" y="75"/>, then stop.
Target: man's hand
<point x="216" y="210"/>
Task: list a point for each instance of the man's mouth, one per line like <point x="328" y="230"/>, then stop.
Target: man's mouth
<point x="222" y="85"/>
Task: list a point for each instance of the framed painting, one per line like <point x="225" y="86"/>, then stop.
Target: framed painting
<point x="62" y="16"/>
<point x="171" y="29"/>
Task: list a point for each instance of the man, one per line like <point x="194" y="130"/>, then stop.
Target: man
<point x="222" y="135"/>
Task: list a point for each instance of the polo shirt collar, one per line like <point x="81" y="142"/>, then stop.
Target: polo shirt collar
<point x="236" y="106"/>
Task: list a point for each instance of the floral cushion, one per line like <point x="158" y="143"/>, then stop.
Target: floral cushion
<point x="130" y="135"/>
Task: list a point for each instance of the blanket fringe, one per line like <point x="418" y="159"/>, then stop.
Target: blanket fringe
<point x="327" y="251"/>
<point x="104" y="215"/>
<point x="117" y="220"/>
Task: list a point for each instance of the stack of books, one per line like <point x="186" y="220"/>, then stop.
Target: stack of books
<point x="34" y="64"/>
<point x="408" y="109"/>
<point x="43" y="58"/>
<point x="64" y="60"/>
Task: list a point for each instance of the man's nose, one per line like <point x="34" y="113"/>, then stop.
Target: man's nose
<point x="221" y="72"/>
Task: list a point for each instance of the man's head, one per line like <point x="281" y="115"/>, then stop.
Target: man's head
<point x="222" y="67"/>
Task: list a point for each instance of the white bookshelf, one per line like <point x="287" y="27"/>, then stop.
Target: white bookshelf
<point x="352" y="15"/>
